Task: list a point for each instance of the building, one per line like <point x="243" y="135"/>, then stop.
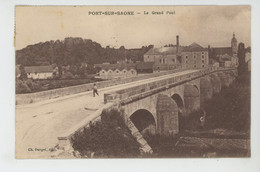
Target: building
<point x="224" y="55"/>
<point x="177" y="57"/>
<point x="144" y="67"/>
<point x="39" y="72"/>
<point x="164" y="58"/>
<point x="110" y="71"/>
<point x="194" y="56"/>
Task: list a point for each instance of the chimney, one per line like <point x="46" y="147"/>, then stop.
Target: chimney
<point x="177" y="43"/>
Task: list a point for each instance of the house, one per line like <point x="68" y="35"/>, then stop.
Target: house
<point x="194" y="56"/>
<point x="110" y="71"/>
<point x="164" y="58"/>
<point x="39" y="72"/>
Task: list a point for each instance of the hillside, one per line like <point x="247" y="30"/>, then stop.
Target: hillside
<point x="71" y="51"/>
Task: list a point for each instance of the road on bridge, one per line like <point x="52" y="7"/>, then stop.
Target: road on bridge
<point x="39" y="124"/>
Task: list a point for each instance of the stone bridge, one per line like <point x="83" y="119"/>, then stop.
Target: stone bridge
<point x="159" y="106"/>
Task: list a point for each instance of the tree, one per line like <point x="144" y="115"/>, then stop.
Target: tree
<point x="23" y="75"/>
<point x="122" y="48"/>
<point x="109" y="137"/>
<point x="242" y="67"/>
<point x="59" y="71"/>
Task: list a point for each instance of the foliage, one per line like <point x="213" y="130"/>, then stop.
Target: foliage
<point x="230" y="109"/>
<point x="109" y="137"/>
<point x="74" y="51"/>
<point x="23" y="73"/>
<point x="242" y="67"/>
<point x="67" y="75"/>
<point x="30" y="86"/>
<point x="161" y="144"/>
<point x="26" y="86"/>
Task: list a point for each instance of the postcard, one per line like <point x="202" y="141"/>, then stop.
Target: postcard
<point x="132" y="82"/>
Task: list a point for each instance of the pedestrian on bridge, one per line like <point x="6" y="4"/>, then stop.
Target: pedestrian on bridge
<point x="95" y="90"/>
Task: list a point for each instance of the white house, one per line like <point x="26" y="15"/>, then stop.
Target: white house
<point x="39" y="72"/>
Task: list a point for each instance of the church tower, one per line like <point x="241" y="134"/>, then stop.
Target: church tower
<point x="234" y="44"/>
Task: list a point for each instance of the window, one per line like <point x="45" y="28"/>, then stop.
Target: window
<point x="202" y="52"/>
<point x="186" y="57"/>
<point x="194" y="57"/>
<point x="186" y="61"/>
<point x="203" y="66"/>
<point x="173" y="60"/>
<point x="195" y="66"/>
<point x="202" y="56"/>
<point x="203" y="61"/>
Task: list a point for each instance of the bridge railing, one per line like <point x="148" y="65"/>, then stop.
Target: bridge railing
<point x="50" y="94"/>
<point x="159" y="84"/>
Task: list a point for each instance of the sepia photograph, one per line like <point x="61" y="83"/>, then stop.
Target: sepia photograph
<point x="132" y="82"/>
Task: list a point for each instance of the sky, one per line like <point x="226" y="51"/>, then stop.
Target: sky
<point x="206" y="25"/>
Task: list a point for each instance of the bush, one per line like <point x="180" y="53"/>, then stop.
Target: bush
<point x="67" y="75"/>
<point x="109" y="137"/>
<point x="26" y="86"/>
<point x="162" y="145"/>
<point x="21" y="87"/>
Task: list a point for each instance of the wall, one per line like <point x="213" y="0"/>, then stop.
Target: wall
<point x="50" y="94"/>
<point x="193" y="89"/>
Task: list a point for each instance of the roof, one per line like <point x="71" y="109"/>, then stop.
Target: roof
<point x="162" y="51"/>
<point x="106" y="67"/>
<point x="173" y="50"/>
<point x="222" y="51"/>
<point x="38" y="69"/>
<point x="144" y="65"/>
<point x="225" y="57"/>
<point x="193" y="47"/>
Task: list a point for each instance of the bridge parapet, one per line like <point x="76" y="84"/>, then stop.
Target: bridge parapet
<point x="136" y="92"/>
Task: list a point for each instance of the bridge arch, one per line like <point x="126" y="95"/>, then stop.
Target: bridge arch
<point x="216" y="83"/>
<point x="191" y="98"/>
<point x="178" y="100"/>
<point x="206" y="89"/>
<point x="196" y="87"/>
<point x="181" y="110"/>
<point x="144" y="121"/>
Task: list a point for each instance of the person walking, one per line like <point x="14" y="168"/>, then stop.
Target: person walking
<point x="95" y="90"/>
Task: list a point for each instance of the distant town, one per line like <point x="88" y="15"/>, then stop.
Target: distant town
<point x="76" y="58"/>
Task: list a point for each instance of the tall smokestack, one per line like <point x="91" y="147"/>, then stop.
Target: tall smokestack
<point x="177" y="43"/>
